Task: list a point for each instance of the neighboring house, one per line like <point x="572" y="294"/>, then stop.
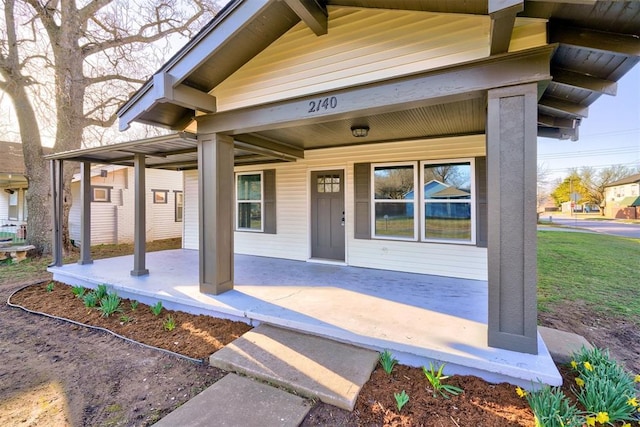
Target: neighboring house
<point x="112" y="201"/>
<point x="622" y="198"/>
<point x="303" y="109"/>
<point x="13" y="189"/>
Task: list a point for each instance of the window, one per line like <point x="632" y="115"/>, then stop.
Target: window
<point x="249" y="191"/>
<point x="179" y="204"/>
<point x="160" y="196"/>
<point x="13" y="204"/>
<point x="447" y="201"/>
<point x="435" y="203"/>
<point x="394" y="201"/>
<point x="100" y="194"/>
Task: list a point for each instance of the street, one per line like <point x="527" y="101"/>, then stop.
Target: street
<point x="600" y="226"/>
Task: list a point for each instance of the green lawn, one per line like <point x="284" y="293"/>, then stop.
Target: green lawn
<point x="598" y="269"/>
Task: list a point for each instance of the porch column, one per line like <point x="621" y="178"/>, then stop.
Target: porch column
<point x="139" y="221"/>
<point x="215" y="195"/>
<point x="85" y="213"/>
<point x="57" y="193"/>
<point x="511" y="195"/>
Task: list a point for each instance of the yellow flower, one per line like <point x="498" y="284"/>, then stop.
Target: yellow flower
<point x="626" y="425"/>
<point x="520" y="392"/>
<point x="602" y="417"/>
<point x="588" y="366"/>
<point x="591" y="421"/>
<point x="580" y="382"/>
<point x="632" y="401"/>
<point x="574" y="364"/>
<point x="637" y="379"/>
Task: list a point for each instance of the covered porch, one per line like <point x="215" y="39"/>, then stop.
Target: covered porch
<point x="420" y="318"/>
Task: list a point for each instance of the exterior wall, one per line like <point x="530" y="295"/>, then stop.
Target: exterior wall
<point x="292" y="240"/>
<point x="616" y="194"/>
<point x="4" y="207"/>
<point x="365" y="45"/>
<point x="113" y="222"/>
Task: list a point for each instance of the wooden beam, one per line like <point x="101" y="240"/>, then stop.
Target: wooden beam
<point x="563" y="106"/>
<point x="558" y="133"/>
<point x="620" y="44"/>
<point x="166" y="90"/>
<point x="503" y="16"/>
<point x="458" y="83"/>
<point x="312" y="13"/>
<point x="551" y="121"/>
<point x="268" y="145"/>
<point x="584" y="81"/>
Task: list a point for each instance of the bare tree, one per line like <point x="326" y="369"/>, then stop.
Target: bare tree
<point x="595" y="182"/>
<point x="95" y="54"/>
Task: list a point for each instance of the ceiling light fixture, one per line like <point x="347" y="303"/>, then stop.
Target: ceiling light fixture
<point x="360" y="131"/>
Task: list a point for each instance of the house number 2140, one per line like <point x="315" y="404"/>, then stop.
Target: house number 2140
<point x="323" y="104"/>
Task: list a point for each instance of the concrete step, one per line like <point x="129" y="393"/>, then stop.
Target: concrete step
<point x="311" y="366"/>
<point x="239" y="401"/>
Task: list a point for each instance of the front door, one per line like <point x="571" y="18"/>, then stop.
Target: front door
<point x="327" y="214"/>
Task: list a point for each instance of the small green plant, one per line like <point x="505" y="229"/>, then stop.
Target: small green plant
<point x="90" y="300"/>
<point x="77" y="291"/>
<point x="605" y="389"/>
<point x="156" y="309"/>
<point x="169" y="324"/>
<point x="401" y="399"/>
<point x="109" y="304"/>
<point x="50" y="287"/>
<point x="435" y="379"/>
<point x="551" y="408"/>
<point x="101" y="291"/>
<point x="387" y="361"/>
<point x="124" y="319"/>
<point x="134" y="305"/>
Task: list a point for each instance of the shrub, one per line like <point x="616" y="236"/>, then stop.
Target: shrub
<point x="109" y="304"/>
<point x="387" y="361"/>
<point x="156" y="309"/>
<point x="551" y="408"/>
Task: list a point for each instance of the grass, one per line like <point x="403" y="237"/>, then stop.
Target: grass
<point x="598" y="269"/>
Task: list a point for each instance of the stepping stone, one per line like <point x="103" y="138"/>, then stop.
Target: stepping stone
<point x="308" y="365"/>
<point x="562" y="344"/>
<point x="239" y="401"/>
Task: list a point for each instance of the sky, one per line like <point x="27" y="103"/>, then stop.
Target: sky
<point x="610" y="135"/>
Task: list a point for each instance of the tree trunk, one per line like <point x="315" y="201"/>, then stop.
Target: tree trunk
<point x="37" y="173"/>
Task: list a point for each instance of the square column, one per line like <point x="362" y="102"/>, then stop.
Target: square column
<point x="140" y="218"/>
<point x="511" y="190"/>
<point x="57" y="194"/>
<point x="85" y="213"/>
<point x="216" y="212"/>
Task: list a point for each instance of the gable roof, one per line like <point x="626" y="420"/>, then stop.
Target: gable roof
<point x="628" y="180"/>
<point x="596" y="44"/>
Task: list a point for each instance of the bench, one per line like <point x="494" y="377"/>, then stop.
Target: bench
<point x="17" y="253"/>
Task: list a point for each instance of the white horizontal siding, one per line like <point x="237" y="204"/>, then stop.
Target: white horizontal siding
<point x="363" y="45"/>
<point x="293" y="238"/>
<point x="161" y="216"/>
<point x="190" y="230"/>
<point x="4" y="207"/>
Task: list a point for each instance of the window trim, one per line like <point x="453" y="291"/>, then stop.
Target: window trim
<point x="166" y="197"/>
<point x="374" y="201"/>
<point x="471" y="201"/>
<point x="175" y="206"/>
<point x="107" y="199"/>
<point x="260" y="201"/>
<point x="419" y="201"/>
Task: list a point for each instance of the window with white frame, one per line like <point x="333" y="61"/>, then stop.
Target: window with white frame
<point x="179" y="205"/>
<point x="249" y="200"/>
<point x="447" y="197"/>
<point x="13" y="204"/>
<point x="424" y="201"/>
<point x="394" y="201"/>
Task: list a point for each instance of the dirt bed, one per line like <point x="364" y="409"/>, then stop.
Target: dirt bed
<point x="57" y="373"/>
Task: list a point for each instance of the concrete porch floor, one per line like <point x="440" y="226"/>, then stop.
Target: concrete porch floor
<point x="420" y="318"/>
